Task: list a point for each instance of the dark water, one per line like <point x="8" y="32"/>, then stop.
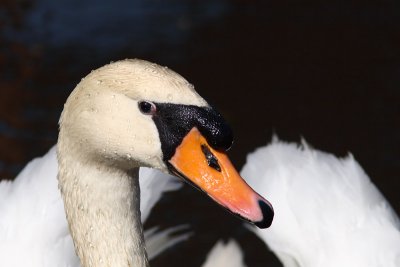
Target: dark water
<point x="328" y="72"/>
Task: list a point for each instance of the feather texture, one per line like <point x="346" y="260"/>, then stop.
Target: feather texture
<point x="33" y="227"/>
<point x="224" y="255"/>
<point x="328" y="212"/>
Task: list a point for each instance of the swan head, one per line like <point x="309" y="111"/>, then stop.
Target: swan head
<point x="134" y="113"/>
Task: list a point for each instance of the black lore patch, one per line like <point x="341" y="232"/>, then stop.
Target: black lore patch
<point x="174" y="122"/>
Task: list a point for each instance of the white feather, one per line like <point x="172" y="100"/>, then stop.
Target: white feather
<point x="33" y="227"/>
<point x="225" y="255"/>
<point x="158" y="241"/>
<point x="327" y="211"/>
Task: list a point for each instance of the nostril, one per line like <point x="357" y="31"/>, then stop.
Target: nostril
<point x="268" y="215"/>
<point x="212" y="161"/>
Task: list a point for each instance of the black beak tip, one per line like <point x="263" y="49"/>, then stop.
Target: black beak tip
<point x="268" y="215"/>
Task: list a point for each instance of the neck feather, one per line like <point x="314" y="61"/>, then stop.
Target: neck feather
<point x="102" y="205"/>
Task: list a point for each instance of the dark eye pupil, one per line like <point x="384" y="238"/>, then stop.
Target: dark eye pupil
<point x="146" y="107"/>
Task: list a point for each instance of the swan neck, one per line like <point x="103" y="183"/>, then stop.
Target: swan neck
<point x="102" y="205"/>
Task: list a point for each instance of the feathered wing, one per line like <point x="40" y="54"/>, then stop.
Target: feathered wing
<point x="158" y="241"/>
<point x="152" y="185"/>
<point x="327" y="211"/>
<point x="225" y="255"/>
<point x="33" y="227"/>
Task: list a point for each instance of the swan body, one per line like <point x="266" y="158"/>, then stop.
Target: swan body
<point x="328" y="212"/>
<point x="122" y="116"/>
<point x="33" y="228"/>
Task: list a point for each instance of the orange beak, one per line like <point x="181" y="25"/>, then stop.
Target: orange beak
<point x="212" y="172"/>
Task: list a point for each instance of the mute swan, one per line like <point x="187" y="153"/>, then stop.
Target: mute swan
<point x="129" y="114"/>
<point x="328" y="212"/>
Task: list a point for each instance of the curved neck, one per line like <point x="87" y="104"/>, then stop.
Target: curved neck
<point x="103" y="212"/>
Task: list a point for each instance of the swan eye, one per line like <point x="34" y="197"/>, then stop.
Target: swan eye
<point x="147" y="107"/>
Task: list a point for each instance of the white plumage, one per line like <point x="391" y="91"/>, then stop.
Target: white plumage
<point x="117" y="119"/>
<point x="224" y="254"/>
<point x="33" y="227"/>
<point x="327" y="211"/>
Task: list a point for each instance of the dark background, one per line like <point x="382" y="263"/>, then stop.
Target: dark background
<point x="328" y="71"/>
